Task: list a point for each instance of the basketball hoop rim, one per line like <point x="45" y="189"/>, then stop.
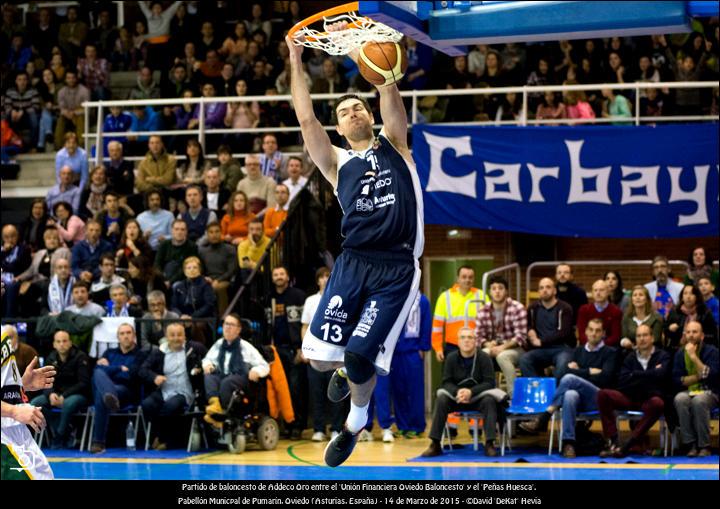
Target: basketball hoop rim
<point x="333" y="11"/>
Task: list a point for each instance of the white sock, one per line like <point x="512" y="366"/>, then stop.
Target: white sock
<point x="357" y="418"/>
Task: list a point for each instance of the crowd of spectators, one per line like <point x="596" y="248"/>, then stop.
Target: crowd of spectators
<point x="64" y="56"/>
<point x="653" y="349"/>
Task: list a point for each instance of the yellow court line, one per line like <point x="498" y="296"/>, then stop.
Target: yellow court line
<point x="201" y="457"/>
<point x="220" y="461"/>
<point x="693" y="467"/>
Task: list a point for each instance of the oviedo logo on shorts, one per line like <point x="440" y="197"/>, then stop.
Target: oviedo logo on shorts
<point x="334" y="310"/>
<point x="367" y="320"/>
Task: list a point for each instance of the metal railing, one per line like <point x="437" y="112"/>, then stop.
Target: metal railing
<point x="644" y="263"/>
<point x="486" y="278"/>
<point x="269" y="259"/>
<point x="499" y="270"/>
<point x="414" y="95"/>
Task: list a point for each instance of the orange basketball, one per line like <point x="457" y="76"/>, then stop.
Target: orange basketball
<point x="382" y="63"/>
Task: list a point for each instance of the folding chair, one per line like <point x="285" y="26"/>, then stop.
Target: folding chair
<point x="194" y="424"/>
<point x="673" y="440"/>
<point x="581" y="416"/>
<point x="468" y="416"/>
<point x="636" y="415"/>
<point x="531" y="396"/>
<point x="39" y="437"/>
<point x="131" y="411"/>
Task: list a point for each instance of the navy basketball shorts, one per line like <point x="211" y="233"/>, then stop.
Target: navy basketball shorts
<point x="364" y="308"/>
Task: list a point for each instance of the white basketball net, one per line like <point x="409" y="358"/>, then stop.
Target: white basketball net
<point x="341" y="42"/>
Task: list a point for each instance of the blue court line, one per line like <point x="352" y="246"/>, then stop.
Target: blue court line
<point x="147" y="471"/>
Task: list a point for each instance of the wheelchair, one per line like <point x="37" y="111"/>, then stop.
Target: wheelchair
<point x="246" y="421"/>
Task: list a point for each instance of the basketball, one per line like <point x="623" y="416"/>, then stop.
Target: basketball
<point x="382" y="63"/>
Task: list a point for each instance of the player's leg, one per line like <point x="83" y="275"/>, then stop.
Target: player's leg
<point x="337" y="313"/>
<point x="21" y="456"/>
<point x="362" y="379"/>
<point x="391" y="288"/>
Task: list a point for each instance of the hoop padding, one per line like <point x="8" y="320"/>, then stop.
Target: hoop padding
<point x="360" y="29"/>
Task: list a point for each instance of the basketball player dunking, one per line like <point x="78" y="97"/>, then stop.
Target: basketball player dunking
<point x="376" y="278"/>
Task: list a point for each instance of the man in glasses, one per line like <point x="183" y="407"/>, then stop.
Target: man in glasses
<point x="231" y="364"/>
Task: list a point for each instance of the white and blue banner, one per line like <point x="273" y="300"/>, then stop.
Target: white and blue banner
<point x="593" y="181"/>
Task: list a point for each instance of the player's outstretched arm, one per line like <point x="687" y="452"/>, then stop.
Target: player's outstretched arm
<point x="394" y="117"/>
<point x="315" y="137"/>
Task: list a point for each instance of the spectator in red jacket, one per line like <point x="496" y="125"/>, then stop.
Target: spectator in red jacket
<point x="602" y="308"/>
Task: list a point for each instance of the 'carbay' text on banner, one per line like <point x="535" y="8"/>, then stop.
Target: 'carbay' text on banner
<point x="586" y="181"/>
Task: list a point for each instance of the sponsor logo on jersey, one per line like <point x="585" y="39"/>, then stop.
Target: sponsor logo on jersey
<point x="384" y="201"/>
<point x="383" y="172"/>
<point x="364" y="205"/>
<point x="12" y="394"/>
<point x="383" y="183"/>
<point x="334" y="310"/>
<point x="335" y="302"/>
<point x="365" y="190"/>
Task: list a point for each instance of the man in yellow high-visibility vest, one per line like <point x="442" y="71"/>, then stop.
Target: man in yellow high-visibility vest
<point x="450" y="312"/>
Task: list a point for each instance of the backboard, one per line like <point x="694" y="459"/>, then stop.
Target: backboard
<point x="451" y="26"/>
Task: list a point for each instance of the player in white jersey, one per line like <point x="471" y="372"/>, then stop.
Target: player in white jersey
<point x="21" y="456"/>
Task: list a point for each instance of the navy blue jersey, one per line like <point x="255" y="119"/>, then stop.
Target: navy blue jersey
<point x="381" y="199"/>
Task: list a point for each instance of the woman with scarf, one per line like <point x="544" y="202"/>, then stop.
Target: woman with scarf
<point x="59" y="294"/>
<point x="69" y="226"/>
<point x="92" y="197"/>
<point x="34" y="281"/>
<point x="692" y="307"/>
<point x="701" y="266"/>
<point x="132" y="244"/>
